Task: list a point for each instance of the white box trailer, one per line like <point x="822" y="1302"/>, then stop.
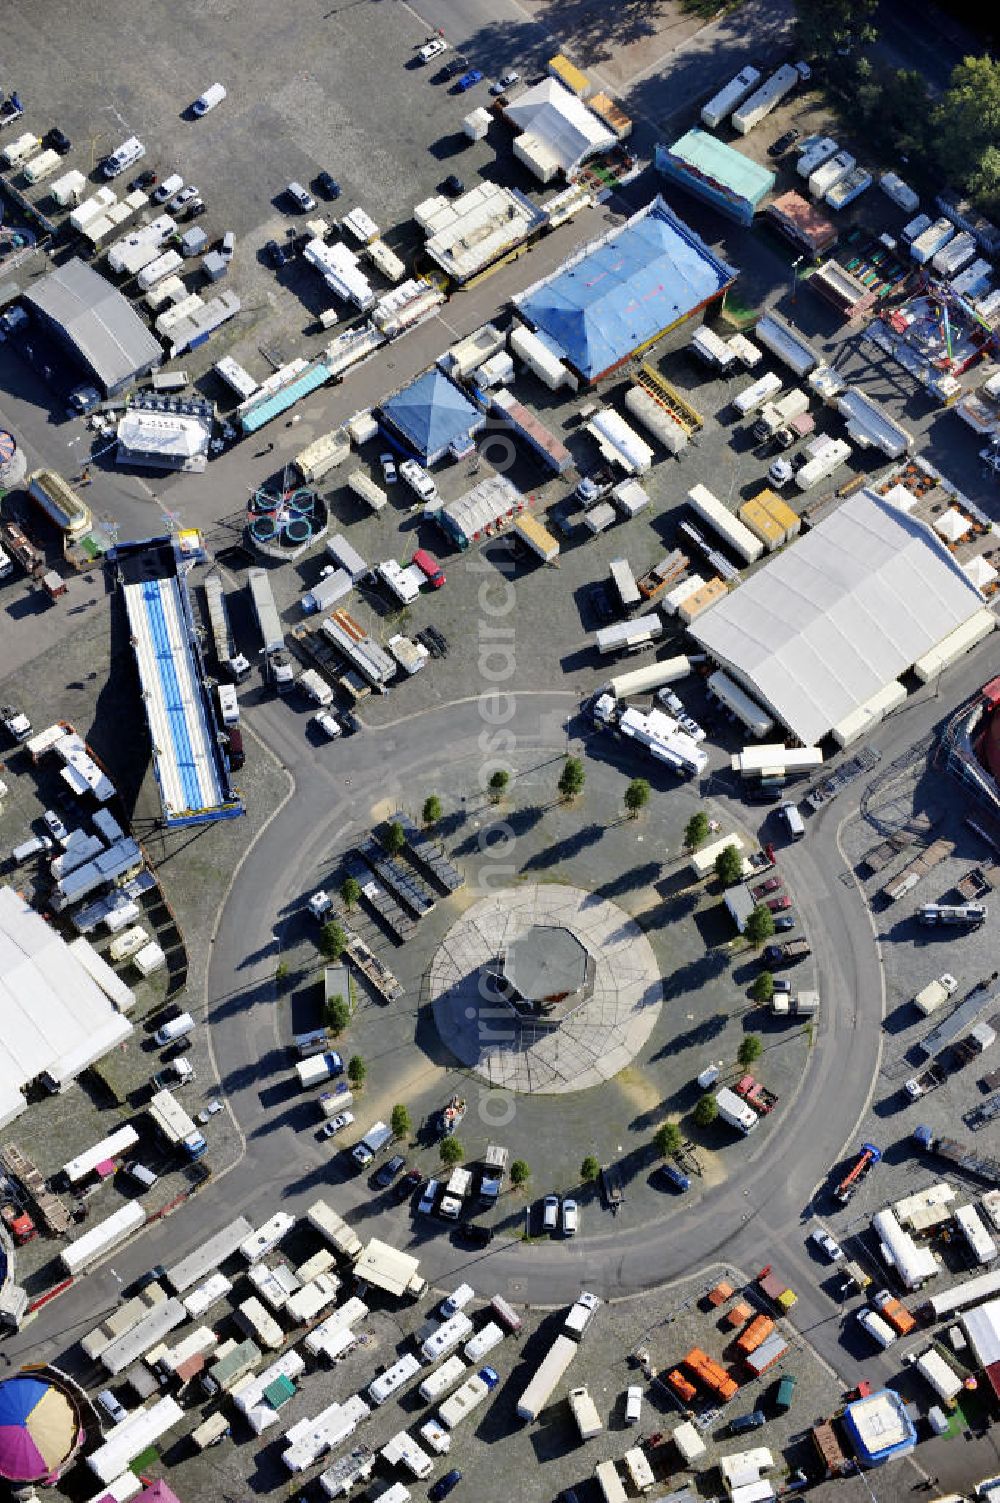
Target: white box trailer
<point x="815" y="155"/>
<point x="901" y="194"/>
<point x="725" y="524"/>
<point x="610" y="1483"/>
<point x="646" y="680"/>
<point x="955" y="255"/>
<point x="624" y="582"/>
<point x="69" y="189"/>
<point x="334" y="585"/>
<point x="162" y="267"/>
<point x="447" y="1337"/>
<point x="639" y="1470"/>
<point x="318" y="690"/>
<point x="932" y="240"/>
<point x="584" y="1411"/>
<point x="463" y="1401"/>
<point x="830" y="458"/>
<point x="753" y="397"/>
<point x="208" y="1255"/>
<point x="761" y="103"/>
<point x="714" y="352"/>
<point x="619" y="444"/>
<point x="252" y="1317"/>
<point x="547" y="1375"/>
<point x="943" y="1378"/>
<point x="362" y="486"/>
<point x="346" y="557"/>
<point x="41" y="167"/>
<point x="20" y="150"/>
<point x="775" y="335"/>
<point x="323" y="455"/>
<point x="403" y="1450"/>
<point x="729" y="96"/>
<point x="102" y="1238"/>
<point x="334" y="1228"/>
<point x="980" y="1243"/>
<point x="440" y="1382"/>
<point x="264" y="1241"/>
<point x="831" y="173"/>
<point x="628" y="636"/>
<point x="738" y="702"/>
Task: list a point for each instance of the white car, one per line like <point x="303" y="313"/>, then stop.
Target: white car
<point x="506" y="82"/>
<point x="324" y="721"/>
<point x="388" y="468"/>
<point x="550" y="1213"/>
<point x="949" y="983"/>
<point x="336" y="1124"/>
<point x="570" y="1218"/>
<point x="433" y="49"/>
<point x="183" y="197"/>
<point x="56" y="826"/>
<point x="211" y="1110"/>
<point x="170" y="185"/>
<point x="827" y="1245"/>
<point x="633" y="1404"/>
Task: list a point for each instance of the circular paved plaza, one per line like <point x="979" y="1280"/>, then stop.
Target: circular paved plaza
<point x="590" y="1045"/>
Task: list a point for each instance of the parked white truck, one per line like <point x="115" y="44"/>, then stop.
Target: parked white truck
<point x="317" y="688"/>
<point x="735" y="1111"/>
<point x="584" y="1411"/>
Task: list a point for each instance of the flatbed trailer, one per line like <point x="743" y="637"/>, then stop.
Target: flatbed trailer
<point x="405" y="886"/>
<point x="385" y="906"/>
<point x="363" y="959"/>
<point x="428" y="855"/>
<point x="969" y="1160"/>
<point x="667" y="572"/>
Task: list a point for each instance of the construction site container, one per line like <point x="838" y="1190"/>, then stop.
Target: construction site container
<point x="362" y="486"/>
<point x="19" y="150"/>
<point x="323" y="455"/>
<point x="41" y="166"/>
<point x="69" y="189"/>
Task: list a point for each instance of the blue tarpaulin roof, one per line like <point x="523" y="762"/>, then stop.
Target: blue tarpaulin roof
<point x="430" y="414"/>
<point x="617" y="297"/>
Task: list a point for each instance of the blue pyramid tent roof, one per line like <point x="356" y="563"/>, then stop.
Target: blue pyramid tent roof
<point x="617" y="297"/>
<point x="430" y="413"/>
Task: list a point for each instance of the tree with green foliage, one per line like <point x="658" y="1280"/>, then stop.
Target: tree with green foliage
<point x="706" y="1111"/>
<point x="357" y="1071"/>
<point x="332" y="941"/>
<point x="519" y="1173"/>
<point x="729" y="866"/>
<point x="400" y="1121"/>
<point x="336" y="1014"/>
<point x="696" y="830"/>
<point x="590" y="1169"/>
<point x="431" y="812"/>
<point x="451" y="1152"/>
<point x="498" y="784"/>
<point x="572" y="779"/>
<point x="829" y="29"/>
<point x="759" y="925"/>
<point x="966" y="126"/>
<point x="750" y="1050"/>
<point x="668" y="1139"/>
<point x="350" y="891"/>
<point x="637" y="796"/>
<point x="763" y="987"/>
<point x="394" y="838"/>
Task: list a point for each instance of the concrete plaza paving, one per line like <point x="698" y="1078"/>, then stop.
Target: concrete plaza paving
<point x="600" y="1038"/>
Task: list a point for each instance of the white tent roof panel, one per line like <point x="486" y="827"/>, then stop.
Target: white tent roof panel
<point x="851" y="605"/>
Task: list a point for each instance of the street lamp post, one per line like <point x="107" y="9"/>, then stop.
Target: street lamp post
<point x="795" y="275"/>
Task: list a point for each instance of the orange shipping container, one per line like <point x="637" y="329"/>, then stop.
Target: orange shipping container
<point x="682" y="1388"/>
<point x="757" y="1331"/>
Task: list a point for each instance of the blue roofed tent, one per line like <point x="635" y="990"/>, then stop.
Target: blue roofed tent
<point x="621" y="293"/>
<point x="430" y="414"/>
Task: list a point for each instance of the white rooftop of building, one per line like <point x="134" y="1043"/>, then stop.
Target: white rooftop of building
<point x="828" y="623"/>
<point x="982" y="1326"/>
<point x="880" y="1422"/>
<point x="174" y="440"/>
<point x="56" y="1020"/>
<point x="467" y="233"/>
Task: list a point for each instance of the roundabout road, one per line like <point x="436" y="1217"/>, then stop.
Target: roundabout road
<point x="752" y="1219"/>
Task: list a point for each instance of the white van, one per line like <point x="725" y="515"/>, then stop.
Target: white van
<point x="141" y="1174"/>
<point x="30" y="848"/>
<point x="170" y="186"/>
<point x="177" y="1028"/>
<point x="213" y="95"/>
<point x="793" y="819"/>
<point x="229" y="705"/>
<point x="126" y="155"/>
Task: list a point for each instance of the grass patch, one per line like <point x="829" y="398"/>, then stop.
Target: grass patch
<point x="709" y="9"/>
